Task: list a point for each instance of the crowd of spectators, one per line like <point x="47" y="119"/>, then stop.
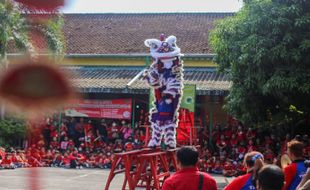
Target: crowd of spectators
<point x="84" y="143"/>
<point x="77" y="143"/>
<point x="225" y="151"/>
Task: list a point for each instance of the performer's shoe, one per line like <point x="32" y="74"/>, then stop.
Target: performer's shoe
<point x="152" y="147"/>
<point x="170" y="147"/>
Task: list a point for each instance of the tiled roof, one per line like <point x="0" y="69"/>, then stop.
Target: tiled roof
<point x="114" y="80"/>
<point x="125" y="33"/>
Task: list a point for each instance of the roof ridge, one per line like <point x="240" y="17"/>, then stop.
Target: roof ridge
<point x="155" y="13"/>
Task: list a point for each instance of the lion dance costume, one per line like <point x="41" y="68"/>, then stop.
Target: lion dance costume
<point x="165" y="75"/>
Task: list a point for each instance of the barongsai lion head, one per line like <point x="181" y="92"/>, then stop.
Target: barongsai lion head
<point x="163" y="48"/>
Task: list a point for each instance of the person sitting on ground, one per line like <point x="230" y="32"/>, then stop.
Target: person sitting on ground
<point x="76" y="160"/>
<point x="57" y="159"/>
<point x="2" y="153"/>
<point x="17" y="160"/>
<point x="7" y="162"/>
<point x="229" y="169"/>
<point x="189" y="177"/>
<point x="253" y="162"/>
<point x="66" y="161"/>
<point x="270" y="177"/>
<point x="293" y="173"/>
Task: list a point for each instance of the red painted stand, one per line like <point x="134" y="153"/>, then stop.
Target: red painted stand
<point x="151" y="169"/>
<point x="172" y="158"/>
<point x="146" y="168"/>
<point x="129" y="159"/>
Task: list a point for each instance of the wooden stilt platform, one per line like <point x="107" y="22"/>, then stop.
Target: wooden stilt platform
<point x="146" y="168"/>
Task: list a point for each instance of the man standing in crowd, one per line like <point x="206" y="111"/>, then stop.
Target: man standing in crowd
<point x="270" y="177"/>
<point x="293" y="173"/>
<point x="189" y="177"/>
<point x="46" y="132"/>
<point x="101" y="131"/>
<point x="71" y="128"/>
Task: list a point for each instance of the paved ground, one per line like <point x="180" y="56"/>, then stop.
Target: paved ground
<point x="66" y="179"/>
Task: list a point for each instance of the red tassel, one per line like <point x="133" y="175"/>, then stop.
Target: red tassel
<point x="35" y="86"/>
<point x="45" y="5"/>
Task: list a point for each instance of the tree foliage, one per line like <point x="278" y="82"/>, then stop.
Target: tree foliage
<point x="265" y="50"/>
<point x="51" y="29"/>
<point x="11" y="130"/>
<point x="13" y="28"/>
<point x="16" y="24"/>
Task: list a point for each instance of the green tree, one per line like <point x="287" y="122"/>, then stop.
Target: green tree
<point x="13" y="28"/>
<point x="265" y="50"/>
<point x="51" y="29"/>
<point x="12" y="132"/>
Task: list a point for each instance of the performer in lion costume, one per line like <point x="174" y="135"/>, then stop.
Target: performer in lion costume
<point x="165" y="76"/>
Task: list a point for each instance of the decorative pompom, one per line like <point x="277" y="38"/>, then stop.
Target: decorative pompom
<point x="45" y="5"/>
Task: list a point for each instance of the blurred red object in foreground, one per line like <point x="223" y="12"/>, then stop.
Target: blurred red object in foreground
<point x="35" y="85"/>
<point x="45" y="5"/>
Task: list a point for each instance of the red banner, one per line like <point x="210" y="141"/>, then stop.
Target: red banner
<point x="114" y="109"/>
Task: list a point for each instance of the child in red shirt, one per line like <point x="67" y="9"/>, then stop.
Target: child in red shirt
<point x="227" y="133"/>
<point x="209" y="165"/>
<point x="71" y="145"/>
<point x="57" y="160"/>
<point x="32" y="161"/>
<point x="91" y="161"/>
<point x="129" y="146"/>
<point x="218" y="168"/>
<point x="7" y="162"/>
<point x="66" y="160"/>
<point x="63" y="131"/>
<point x="233" y="141"/>
<point x="221" y="143"/>
<point x="54" y="132"/>
<point x="269" y="156"/>
<point x="240" y="134"/>
<point x="227" y="169"/>
<point x="107" y="162"/>
<point x="76" y="160"/>
<point x="241" y="150"/>
<point x="54" y="144"/>
<point x="17" y="161"/>
<point x="99" y="160"/>
<point x="48" y="159"/>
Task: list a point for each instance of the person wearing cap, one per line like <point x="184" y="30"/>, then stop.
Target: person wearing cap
<point x="270" y="177"/>
<point x="293" y="173"/>
<point x="253" y="162"/>
<point x="189" y="177"/>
